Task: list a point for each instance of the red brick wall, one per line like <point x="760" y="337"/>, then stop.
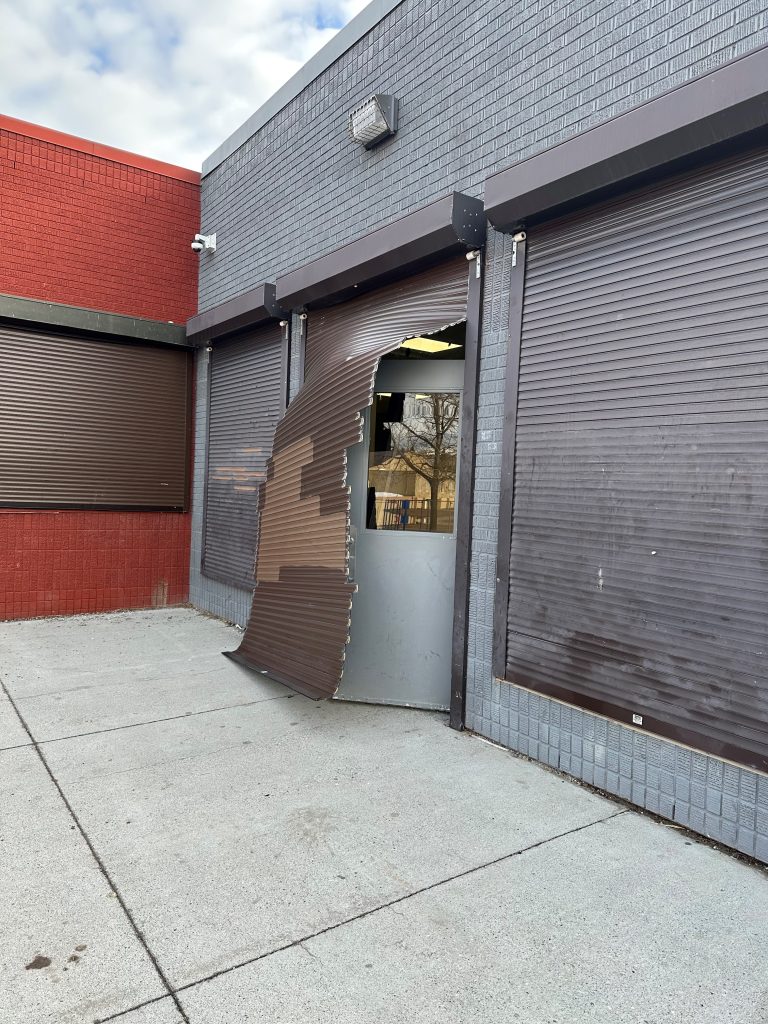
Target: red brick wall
<point x="85" y="230"/>
<point x="89" y="226"/>
<point x="62" y="563"/>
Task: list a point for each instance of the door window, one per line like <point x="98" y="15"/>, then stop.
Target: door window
<point x="412" y="461"/>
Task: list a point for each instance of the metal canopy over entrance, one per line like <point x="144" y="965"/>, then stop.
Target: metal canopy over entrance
<point x="299" y="623"/>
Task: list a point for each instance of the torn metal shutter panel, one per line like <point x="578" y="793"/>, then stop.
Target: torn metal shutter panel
<point x="300" y="618"/>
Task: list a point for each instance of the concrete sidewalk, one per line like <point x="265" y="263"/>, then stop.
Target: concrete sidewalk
<point x="183" y="841"/>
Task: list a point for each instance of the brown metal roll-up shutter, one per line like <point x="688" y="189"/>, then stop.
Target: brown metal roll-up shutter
<point x="247" y="397"/>
<point x="299" y="622"/>
<point x="639" y="553"/>
<point x="92" y="423"/>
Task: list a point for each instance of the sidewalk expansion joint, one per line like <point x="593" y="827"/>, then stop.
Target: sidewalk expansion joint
<point x="171" y="718"/>
<point x="16" y="746"/>
<point x="401" y="899"/>
<point x="102" y="867"/>
<point x="139" y="1006"/>
<point x="299" y="943"/>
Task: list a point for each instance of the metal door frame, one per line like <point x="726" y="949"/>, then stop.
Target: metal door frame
<point x="465" y="486"/>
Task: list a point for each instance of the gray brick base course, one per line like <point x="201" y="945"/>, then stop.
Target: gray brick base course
<point x="719" y="800"/>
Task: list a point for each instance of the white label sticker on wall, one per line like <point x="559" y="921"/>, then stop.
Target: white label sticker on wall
<point x="637" y="719"/>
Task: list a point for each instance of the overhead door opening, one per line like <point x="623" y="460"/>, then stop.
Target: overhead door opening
<point x="403" y="488"/>
<point x="299" y="624"/>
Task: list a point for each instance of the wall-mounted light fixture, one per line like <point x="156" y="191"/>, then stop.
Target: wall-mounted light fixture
<point x="205" y="243"/>
<point x="430" y="345"/>
<point x="374" y="120"/>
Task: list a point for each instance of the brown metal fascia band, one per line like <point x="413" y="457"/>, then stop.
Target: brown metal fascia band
<point x="721" y="107"/>
<point x="453" y="224"/>
<point x="251" y="309"/>
<point x="15" y="310"/>
<point x="300" y="618"/>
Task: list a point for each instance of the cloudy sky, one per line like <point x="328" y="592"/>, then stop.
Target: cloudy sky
<point x="165" y="78"/>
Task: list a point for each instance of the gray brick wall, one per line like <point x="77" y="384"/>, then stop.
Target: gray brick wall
<point x="481" y="84"/>
<point x="490" y="424"/>
<point x="722" y="801"/>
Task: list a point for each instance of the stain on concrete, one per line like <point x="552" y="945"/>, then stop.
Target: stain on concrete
<point x="38" y="963"/>
<point x="314" y="824"/>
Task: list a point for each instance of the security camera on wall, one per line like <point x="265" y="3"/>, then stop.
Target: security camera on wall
<point x="204" y="243"/>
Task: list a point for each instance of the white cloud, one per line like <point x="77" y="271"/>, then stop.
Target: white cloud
<point x="169" y="79"/>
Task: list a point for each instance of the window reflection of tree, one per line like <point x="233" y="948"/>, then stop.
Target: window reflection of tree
<point x="426" y="442"/>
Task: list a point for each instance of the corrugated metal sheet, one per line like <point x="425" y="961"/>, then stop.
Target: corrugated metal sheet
<point x="94" y="423"/>
<point x="639" y="556"/>
<point x="299" y="623"/>
<point x="247" y="398"/>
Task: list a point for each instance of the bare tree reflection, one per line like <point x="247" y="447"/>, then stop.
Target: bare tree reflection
<point x="415" y="437"/>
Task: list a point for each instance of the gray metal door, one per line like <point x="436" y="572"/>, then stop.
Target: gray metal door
<point x="403" y="552"/>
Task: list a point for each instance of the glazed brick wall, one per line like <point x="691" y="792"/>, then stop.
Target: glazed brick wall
<point x="481" y="84"/>
<point x="88" y="231"/>
<point x="64" y="563"/>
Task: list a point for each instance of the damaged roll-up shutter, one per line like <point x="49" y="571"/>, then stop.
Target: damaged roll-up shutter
<point x="300" y="618"/>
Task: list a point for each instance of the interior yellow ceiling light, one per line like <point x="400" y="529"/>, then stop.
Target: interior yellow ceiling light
<point x="428" y="345"/>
